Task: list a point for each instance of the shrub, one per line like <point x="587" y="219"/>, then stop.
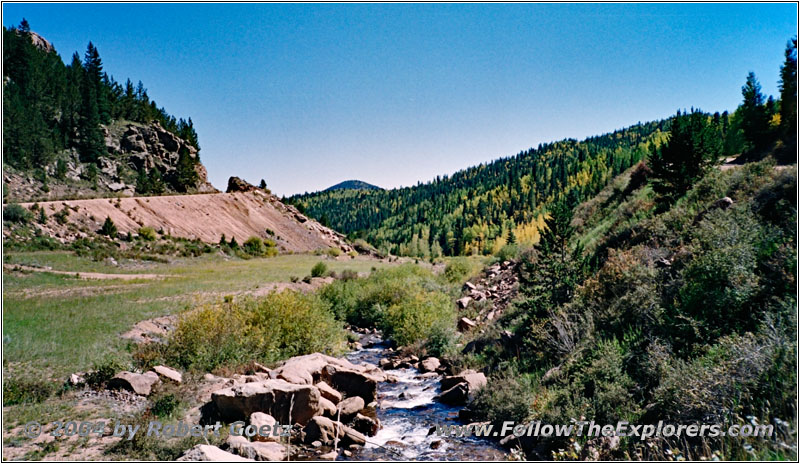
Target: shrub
<point x="61" y="216"/>
<point x="507" y="396"/>
<point x="277" y="326"/>
<point x="319" y="270"/>
<point x="109" y="228"/>
<point x="165" y="405"/>
<point x="19" y="391"/>
<point x="458" y="270"/>
<point x="254" y="246"/>
<point x="419" y="317"/>
<point x="362" y="302"/>
<point x="16" y="213"/>
<point x="147" y="234"/>
<point x="348" y="274"/>
<point x="334" y="252"/>
<point x="508" y="252"/>
<point x="104" y="372"/>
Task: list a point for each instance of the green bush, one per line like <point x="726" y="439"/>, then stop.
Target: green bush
<point x="16" y="213"/>
<point x="419" y="317"/>
<point x="319" y="270"/>
<point x="104" y="372"/>
<point x="165" y="405"/>
<point x="275" y="327"/>
<point x="334" y="252"/>
<point x="19" y="391"/>
<point x="147" y="234"/>
<point x="508" y="396"/>
<point x="458" y="270"/>
<point x="508" y="252"/>
<point x="254" y="246"/>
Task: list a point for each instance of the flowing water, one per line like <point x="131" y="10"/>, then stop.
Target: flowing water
<point x="407" y="412"/>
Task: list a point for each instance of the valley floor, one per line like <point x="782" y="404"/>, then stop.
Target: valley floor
<point x="63" y="314"/>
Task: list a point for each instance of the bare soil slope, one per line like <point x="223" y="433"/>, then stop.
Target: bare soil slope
<point x="205" y="216"/>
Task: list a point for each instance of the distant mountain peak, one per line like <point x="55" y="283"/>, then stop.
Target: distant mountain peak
<point x="353" y="185"/>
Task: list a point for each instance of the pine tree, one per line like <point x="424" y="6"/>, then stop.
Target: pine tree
<point x="788" y="87"/>
<point x="109" y="228"/>
<point x="186" y="177"/>
<point x="262" y="185"/>
<point x="142" y="182"/>
<point x="694" y="146"/>
<point x="755" y="120"/>
<point x="155" y="182"/>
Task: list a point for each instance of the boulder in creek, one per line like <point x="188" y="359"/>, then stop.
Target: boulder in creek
<point x="457" y="395"/>
<point x="261" y="420"/>
<point x="366" y="425"/>
<point x="327" y="408"/>
<point x="349" y="407"/>
<point x="429" y="364"/>
<point x="210" y="453"/>
<point x="256" y="450"/>
<point x="353" y="383"/>
<point x="141" y="384"/>
<point x="329" y="393"/>
<point x="274" y="397"/>
<point x="474" y="380"/>
<point x="308" y="369"/>
<point x="326" y="430"/>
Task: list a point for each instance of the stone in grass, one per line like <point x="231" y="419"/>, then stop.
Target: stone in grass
<point x="169" y="373"/>
<point x="141" y="384"/>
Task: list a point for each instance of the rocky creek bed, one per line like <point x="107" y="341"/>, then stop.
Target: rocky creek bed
<point x="407" y="409"/>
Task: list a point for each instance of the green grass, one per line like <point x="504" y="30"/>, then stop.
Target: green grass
<point x="57" y="324"/>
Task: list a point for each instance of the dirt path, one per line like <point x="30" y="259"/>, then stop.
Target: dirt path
<point x="84" y="275"/>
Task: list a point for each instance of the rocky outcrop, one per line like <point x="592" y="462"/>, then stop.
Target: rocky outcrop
<point x="235" y="184"/>
<point x="129" y="148"/>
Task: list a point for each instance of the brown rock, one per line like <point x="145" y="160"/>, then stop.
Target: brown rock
<point x="169" y="373"/>
<point x="141" y="384"/>
<point x="457" y="395"/>
<point x="210" y="453"/>
<point x="261" y="421"/>
<point x="366" y="425"/>
<point x="465" y="324"/>
<point x="474" y="380"/>
<point x="259" y="451"/>
<point x="429" y="364"/>
<point x="349" y="407"/>
<point x="328" y="392"/>
<point x="274" y="397"/>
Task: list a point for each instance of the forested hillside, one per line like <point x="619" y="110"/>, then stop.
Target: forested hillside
<point x="481" y="209"/>
<point x="54" y="112"/>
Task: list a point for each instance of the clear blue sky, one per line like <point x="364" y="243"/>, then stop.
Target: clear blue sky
<point x="306" y="96"/>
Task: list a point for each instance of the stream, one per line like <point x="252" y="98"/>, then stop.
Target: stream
<point x="407" y="411"/>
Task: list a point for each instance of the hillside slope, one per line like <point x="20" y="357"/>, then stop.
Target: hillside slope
<point x="204" y="216"/>
<point x="480" y="209"/>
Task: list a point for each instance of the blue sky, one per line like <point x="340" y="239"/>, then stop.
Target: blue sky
<point x="306" y="96"/>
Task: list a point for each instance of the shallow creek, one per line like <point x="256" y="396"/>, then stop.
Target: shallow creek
<point x="407" y="412"/>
